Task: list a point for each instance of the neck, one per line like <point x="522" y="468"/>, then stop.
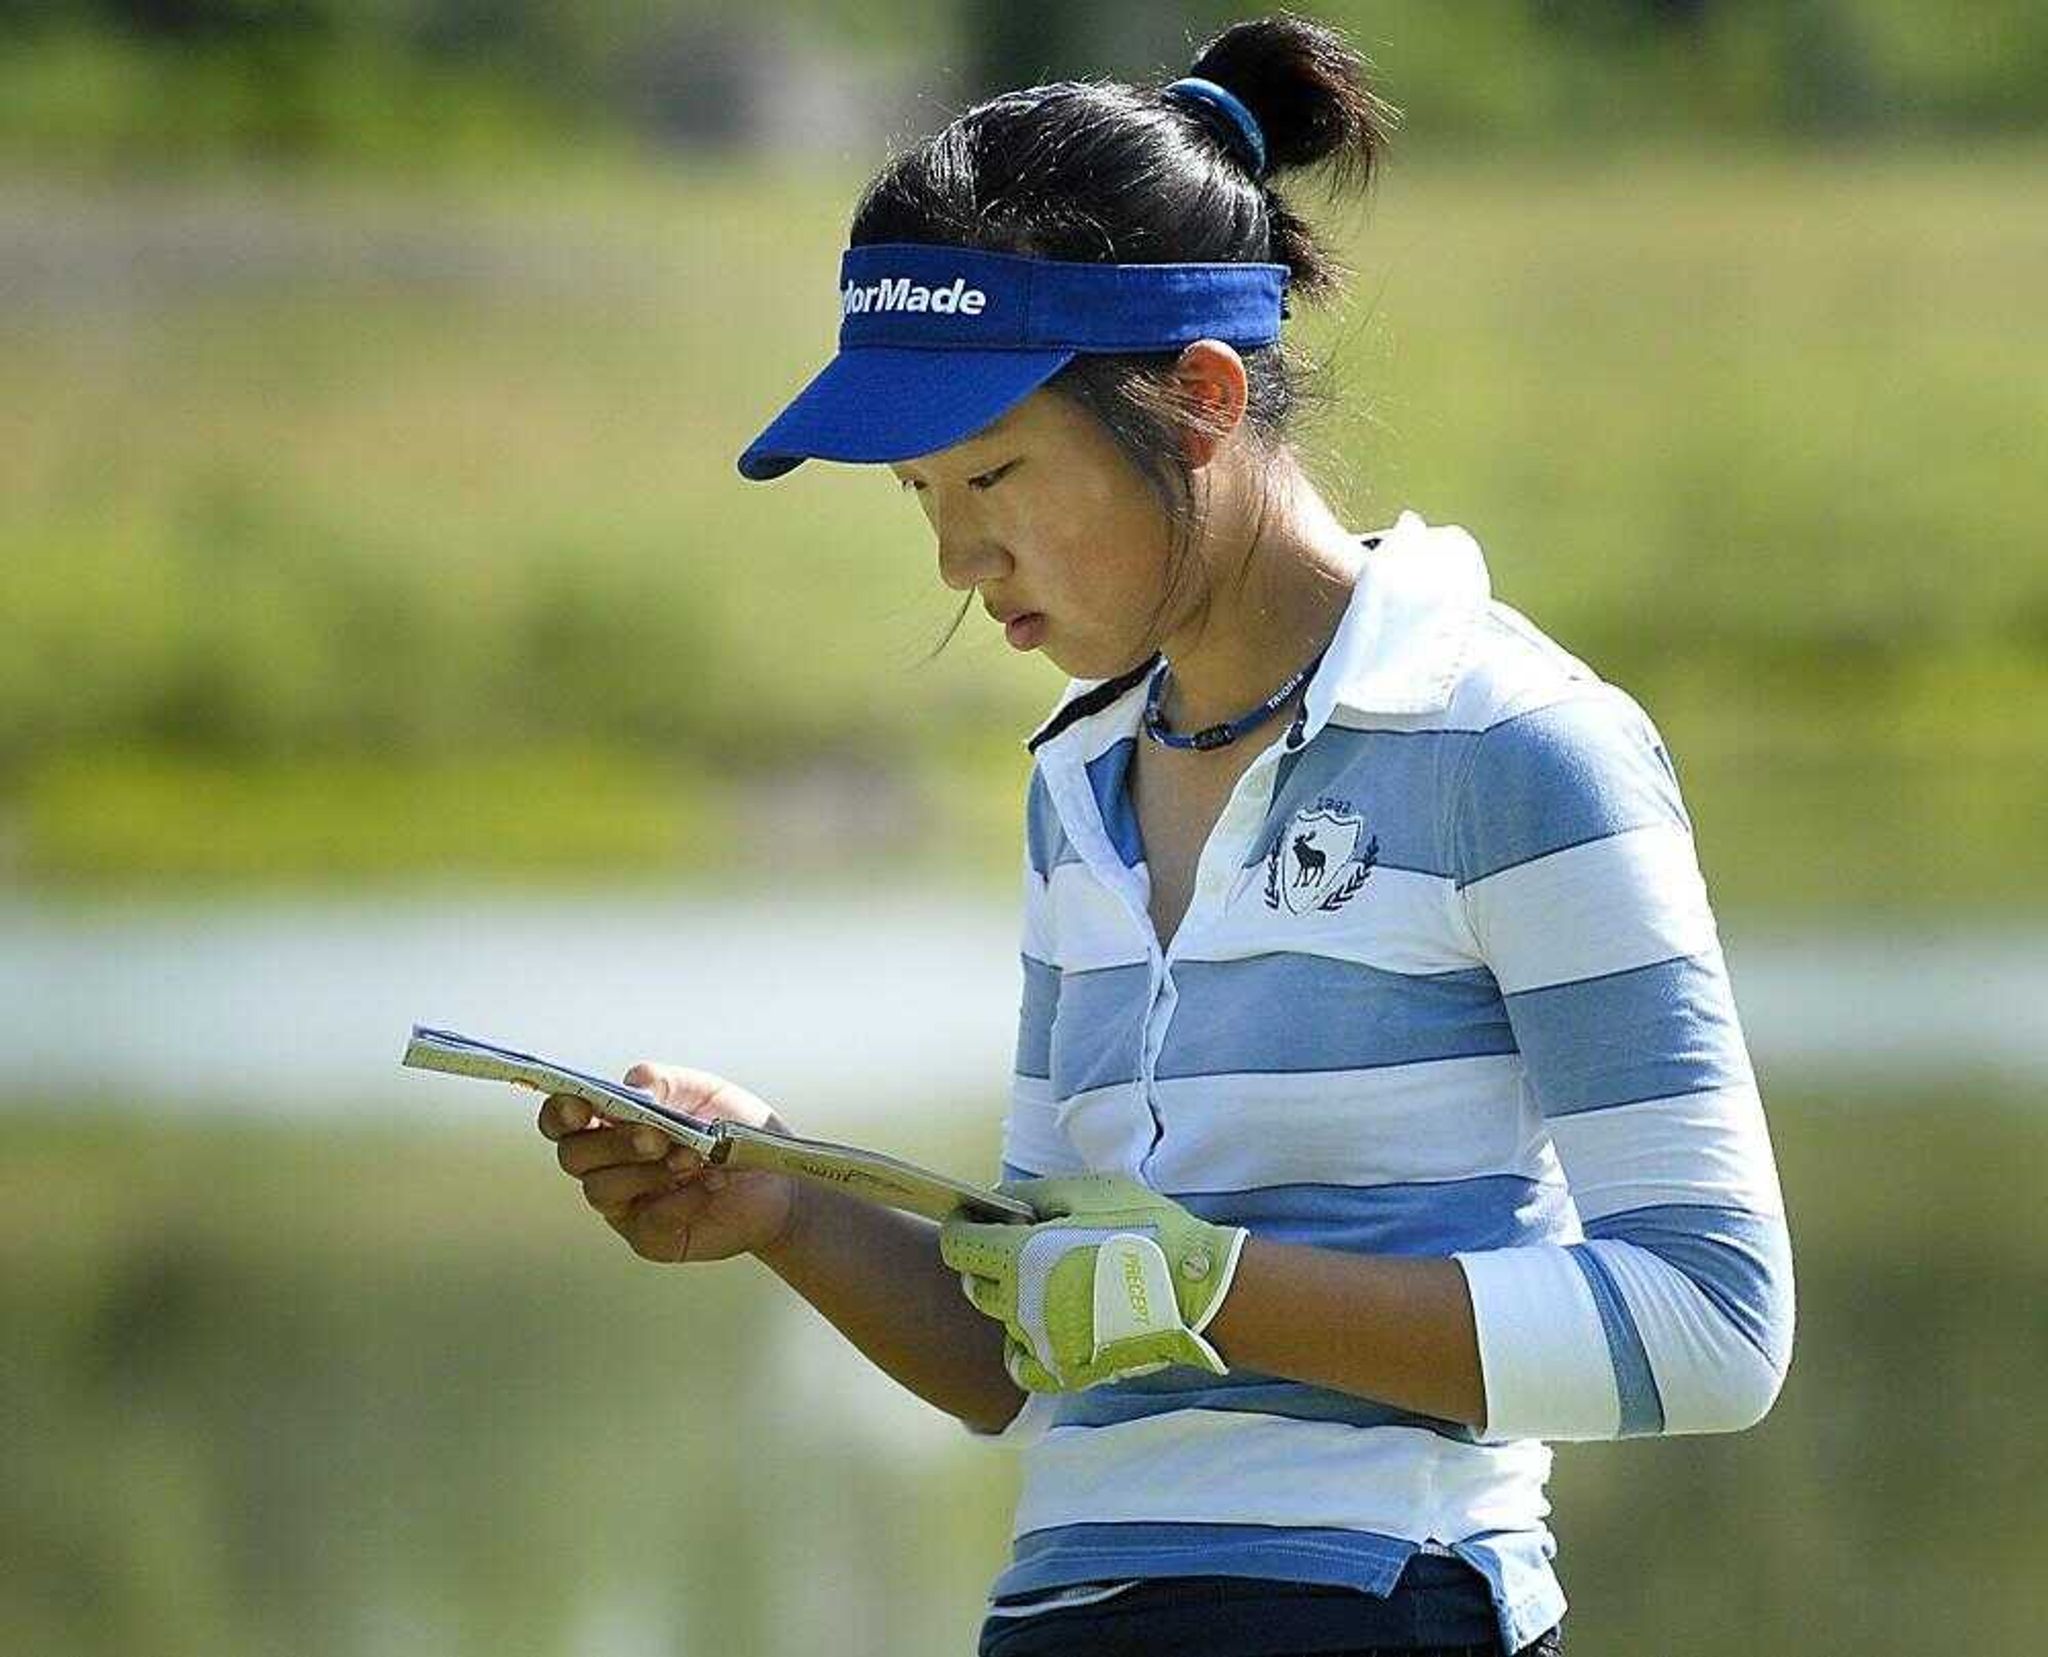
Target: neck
<point x="1255" y="632"/>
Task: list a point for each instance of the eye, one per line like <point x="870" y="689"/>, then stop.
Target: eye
<point x="984" y="480"/>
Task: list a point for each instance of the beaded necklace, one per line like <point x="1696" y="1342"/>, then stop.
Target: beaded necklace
<point x="1217" y="736"/>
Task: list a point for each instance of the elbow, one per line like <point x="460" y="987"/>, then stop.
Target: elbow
<point x="1740" y="1387"/>
<point x="1749" y="1390"/>
<point x="1755" y="1381"/>
<point x="1719" y="1320"/>
<point x="1715" y="1375"/>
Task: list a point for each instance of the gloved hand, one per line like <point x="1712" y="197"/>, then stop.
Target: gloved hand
<point x="1114" y="1280"/>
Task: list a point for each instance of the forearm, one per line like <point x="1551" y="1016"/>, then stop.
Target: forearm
<point x="876" y="1275"/>
<point x="1394" y="1328"/>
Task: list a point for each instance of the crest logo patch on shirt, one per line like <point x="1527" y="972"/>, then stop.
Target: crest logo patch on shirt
<point x="1321" y="858"/>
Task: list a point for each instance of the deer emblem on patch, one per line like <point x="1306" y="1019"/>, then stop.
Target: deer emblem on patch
<point x="1320" y="859"/>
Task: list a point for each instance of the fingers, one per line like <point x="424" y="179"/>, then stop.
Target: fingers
<point x="1071" y="1195"/>
<point x="1050" y="1196"/>
<point x="614" y="1181"/>
<point x="604" y="1146"/>
<point x="649" y="1189"/>
<point x="1026" y="1370"/>
<point x="659" y="1228"/>
<point x="986" y="1296"/>
<point x="613" y="1191"/>
<point x="562" y="1114"/>
<point x="983" y="1249"/>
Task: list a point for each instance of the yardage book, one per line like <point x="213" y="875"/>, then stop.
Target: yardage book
<point x="869" y="1174"/>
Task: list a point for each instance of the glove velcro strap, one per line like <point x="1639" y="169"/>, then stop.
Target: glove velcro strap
<point x="1133" y="1290"/>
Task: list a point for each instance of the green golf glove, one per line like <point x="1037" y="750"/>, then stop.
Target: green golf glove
<point x="1115" y="1280"/>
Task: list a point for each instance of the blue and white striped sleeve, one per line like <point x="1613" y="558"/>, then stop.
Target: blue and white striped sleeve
<point x="1577" y="874"/>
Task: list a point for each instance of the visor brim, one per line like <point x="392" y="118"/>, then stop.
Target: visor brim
<point x="881" y="402"/>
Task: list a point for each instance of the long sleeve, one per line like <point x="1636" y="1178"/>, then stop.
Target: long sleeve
<point x="1577" y="875"/>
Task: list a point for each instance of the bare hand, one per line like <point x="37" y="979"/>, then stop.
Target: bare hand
<point x="659" y="1195"/>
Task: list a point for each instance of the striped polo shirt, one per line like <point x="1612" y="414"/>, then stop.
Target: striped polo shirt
<point x="1448" y="984"/>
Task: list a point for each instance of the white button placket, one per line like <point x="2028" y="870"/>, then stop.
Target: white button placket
<point x="1165" y="998"/>
<point x="1074" y="799"/>
<point x="1219" y="872"/>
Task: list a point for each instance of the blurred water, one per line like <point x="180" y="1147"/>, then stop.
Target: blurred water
<point x="836" y="1007"/>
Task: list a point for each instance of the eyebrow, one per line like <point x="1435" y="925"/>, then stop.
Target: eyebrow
<point x="989" y="436"/>
<point x="1003" y="429"/>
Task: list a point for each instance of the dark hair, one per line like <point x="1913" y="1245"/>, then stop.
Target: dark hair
<point x="1104" y="171"/>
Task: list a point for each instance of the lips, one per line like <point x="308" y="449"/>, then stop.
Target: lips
<point x="1025" y="630"/>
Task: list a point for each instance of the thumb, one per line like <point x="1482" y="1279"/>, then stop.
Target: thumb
<point x="701" y="1093"/>
<point x="675" y="1084"/>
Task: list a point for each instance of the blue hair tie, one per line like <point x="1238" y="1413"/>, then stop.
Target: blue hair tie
<point x="1220" y="98"/>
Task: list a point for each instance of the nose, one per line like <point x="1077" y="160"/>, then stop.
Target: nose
<point x="966" y="560"/>
<point x="967" y="554"/>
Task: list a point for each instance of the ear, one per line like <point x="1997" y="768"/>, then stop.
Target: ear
<point x="1212" y="374"/>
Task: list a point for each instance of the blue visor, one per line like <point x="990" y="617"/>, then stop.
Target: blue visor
<point x="936" y="342"/>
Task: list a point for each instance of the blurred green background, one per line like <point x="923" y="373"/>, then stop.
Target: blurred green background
<point x="374" y="375"/>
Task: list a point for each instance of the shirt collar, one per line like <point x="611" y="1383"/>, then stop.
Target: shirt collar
<point x="1399" y="647"/>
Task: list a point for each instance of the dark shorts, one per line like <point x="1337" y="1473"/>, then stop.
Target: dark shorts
<point x="1440" y="1607"/>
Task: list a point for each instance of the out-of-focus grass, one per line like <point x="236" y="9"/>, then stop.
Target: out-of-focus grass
<point x="279" y="1386"/>
<point x="327" y="474"/>
<point x="551" y="813"/>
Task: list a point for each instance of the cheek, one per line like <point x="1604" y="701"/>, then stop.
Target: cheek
<point x="1129" y="558"/>
<point x="1093" y="570"/>
<point x="1106" y="595"/>
<point x="1095" y="551"/>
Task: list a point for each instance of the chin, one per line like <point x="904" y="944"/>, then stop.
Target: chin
<point x="1091" y="664"/>
<point x="1077" y="667"/>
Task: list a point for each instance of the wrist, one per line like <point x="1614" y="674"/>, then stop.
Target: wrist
<point x="783" y="1246"/>
<point x="1218" y="1327"/>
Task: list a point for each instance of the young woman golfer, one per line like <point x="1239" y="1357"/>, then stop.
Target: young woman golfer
<point x="1377" y="1077"/>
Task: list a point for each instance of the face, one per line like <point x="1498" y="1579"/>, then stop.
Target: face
<point x="1040" y="511"/>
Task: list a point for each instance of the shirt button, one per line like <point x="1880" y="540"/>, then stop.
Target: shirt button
<point x="1196" y="1266"/>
